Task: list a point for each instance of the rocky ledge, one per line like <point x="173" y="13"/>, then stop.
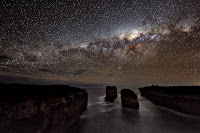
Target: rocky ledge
<point x="111" y="93"/>
<point x="40" y="108"/>
<point x="185" y="99"/>
<point x="129" y="99"/>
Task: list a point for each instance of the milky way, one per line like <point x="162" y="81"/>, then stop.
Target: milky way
<point x="127" y="43"/>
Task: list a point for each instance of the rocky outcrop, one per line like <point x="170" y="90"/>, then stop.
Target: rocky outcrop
<point x="129" y="99"/>
<point x="185" y="99"/>
<point x="111" y="93"/>
<point x="40" y="108"/>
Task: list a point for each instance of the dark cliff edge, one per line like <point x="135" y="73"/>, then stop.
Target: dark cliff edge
<point x="40" y="108"/>
<point x="185" y="99"/>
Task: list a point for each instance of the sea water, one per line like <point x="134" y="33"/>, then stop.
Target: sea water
<point x="105" y="117"/>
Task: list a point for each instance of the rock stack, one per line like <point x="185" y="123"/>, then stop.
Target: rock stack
<point x="129" y="99"/>
<point x="111" y="93"/>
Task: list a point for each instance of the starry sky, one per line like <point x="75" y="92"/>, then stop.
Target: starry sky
<point x="130" y="43"/>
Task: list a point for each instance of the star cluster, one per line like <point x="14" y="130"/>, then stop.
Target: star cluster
<point x="127" y="43"/>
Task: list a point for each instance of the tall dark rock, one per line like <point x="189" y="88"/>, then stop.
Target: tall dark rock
<point x="111" y="93"/>
<point x="129" y="99"/>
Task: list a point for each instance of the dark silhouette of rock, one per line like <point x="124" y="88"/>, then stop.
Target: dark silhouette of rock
<point x="129" y="99"/>
<point x="40" y="108"/>
<point x="111" y="93"/>
<point x="185" y="99"/>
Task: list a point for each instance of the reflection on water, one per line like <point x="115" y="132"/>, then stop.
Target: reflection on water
<point x="112" y="118"/>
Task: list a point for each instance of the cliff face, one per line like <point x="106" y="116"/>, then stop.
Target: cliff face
<point x="129" y="99"/>
<point x="183" y="99"/>
<point x="38" y="109"/>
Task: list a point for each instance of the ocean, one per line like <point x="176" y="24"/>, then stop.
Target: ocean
<point x="104" y="117"/>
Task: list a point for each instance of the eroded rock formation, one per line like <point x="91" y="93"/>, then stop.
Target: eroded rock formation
<point x="129" y="99"/>
<point x="40" y="108"/>
<point x="111" y="93"/>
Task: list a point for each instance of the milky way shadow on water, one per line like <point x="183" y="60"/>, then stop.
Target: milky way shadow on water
<point x="104" y="117"/>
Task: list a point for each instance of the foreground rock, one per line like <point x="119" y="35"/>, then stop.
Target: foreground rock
<point x="185" y="99"/>
<point x="40" y="108"/>
<point x="111" y="93"/>
<point x="129" y="99"/>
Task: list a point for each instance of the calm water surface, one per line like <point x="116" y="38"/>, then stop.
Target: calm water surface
<point x="102" y="117"/>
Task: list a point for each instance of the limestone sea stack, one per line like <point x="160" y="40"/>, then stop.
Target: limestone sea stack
<point x="111" y="93"/>
<point x="129" y="99"/>
<point x="185" y="99"/>
<point x="40" y="108"/>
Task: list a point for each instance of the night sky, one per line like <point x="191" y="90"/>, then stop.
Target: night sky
<point x="119" y="42"/>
